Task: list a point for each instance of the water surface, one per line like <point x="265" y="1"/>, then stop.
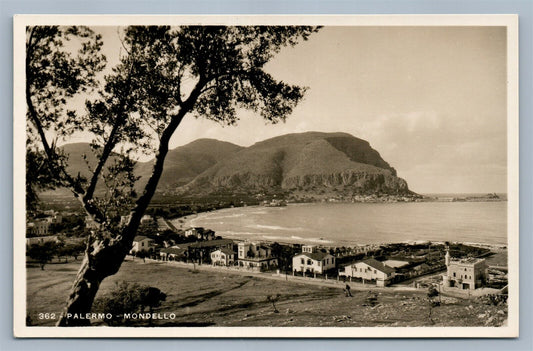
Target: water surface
<point x="362" y="223"/>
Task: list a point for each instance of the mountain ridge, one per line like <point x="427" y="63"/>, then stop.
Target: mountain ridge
<point x="311" y="162"/>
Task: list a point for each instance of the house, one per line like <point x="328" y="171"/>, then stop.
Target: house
<point x="200" y="251"/>
<point x="370" y="269"/>
<point x="255" y="255"/>
<point x="142" y="243"/>
<point x="208" y="234"/>
<point x="193" y="231"/>
<point x="223" y="257"/>
<point x="312" y="261"/>
<point x="148" y="221"/>
<point x="173" y="253"/>
<point x="38" y="228"/>
<point x="200" y="233"/>
<point x="395" y="263"/>
<point x="54" y="219"/>
<point x="466" y="274"/>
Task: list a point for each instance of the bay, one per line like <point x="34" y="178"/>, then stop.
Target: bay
<point x="361" y="223"/>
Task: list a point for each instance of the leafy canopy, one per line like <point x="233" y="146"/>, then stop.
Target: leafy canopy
<point x="164" y="73"/>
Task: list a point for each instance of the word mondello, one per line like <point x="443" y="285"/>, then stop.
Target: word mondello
<point x="149" y="316"/>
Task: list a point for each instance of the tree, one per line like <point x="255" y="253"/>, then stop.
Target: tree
<point x="151" y="297"/>
<point x="273" y="299"/>
<point x="123" y="299"/>
<point x="43" y="253"/>
<point x="432" y="294"/>
<point x="164" y="75"/>
<point x="129" y="298"/>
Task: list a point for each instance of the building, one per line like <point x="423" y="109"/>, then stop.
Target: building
<point x="223" y="257"/>
<point x="38" y="228"/>
<point x="201" y="251"/>
<point x="313" y="262"/>
<point x="41" y="240"/>
<point x="200" y="233"/>
<point x="193" y="231"/>
<point x="465" y="274"/>
<point x="174" y="253"/>
<point x="255" y="255"/>
<point x="142" y="243"/>
<point x="54" y="219"/>
<point x="369" y="270"/>
<point x="148" y="221"/>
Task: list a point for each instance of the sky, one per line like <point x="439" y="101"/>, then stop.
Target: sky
<point x="430" y="100"/>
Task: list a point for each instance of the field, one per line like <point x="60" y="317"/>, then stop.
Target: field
<point x="208" y="298"/>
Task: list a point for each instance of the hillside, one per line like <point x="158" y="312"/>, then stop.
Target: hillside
<point x="311" y="162"/>
<point x="184" y="163"/>
<point x="76" y="162"/>
<point x="305" y="164"/>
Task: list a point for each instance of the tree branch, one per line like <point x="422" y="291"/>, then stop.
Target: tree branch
<point x="52" y="156"/>
<point x="150" y="187"/>
<point x="110" y="144"/>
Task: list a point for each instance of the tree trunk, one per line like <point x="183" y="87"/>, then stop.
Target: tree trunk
<point x="102" y="259"/>
<point x="104" y="256"/>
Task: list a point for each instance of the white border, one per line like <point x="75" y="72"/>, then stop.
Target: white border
<point x="19" y="133"/>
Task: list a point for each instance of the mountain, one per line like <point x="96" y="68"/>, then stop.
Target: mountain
<point x="311" y="162"/>
<point x="184" y="163"/>
<point x="76" y="162"/>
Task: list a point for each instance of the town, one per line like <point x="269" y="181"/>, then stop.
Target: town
<point x="455" y="268"/>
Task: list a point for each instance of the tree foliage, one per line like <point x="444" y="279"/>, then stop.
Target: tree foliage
<point x="128" y="298"/>
<point x="164" y="74"/>
<point x="42" y="253"/>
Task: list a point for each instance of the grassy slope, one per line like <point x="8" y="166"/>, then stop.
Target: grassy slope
<point x="208" y="298"/>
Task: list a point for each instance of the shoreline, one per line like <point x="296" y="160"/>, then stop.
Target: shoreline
<point x="323" y="242"/>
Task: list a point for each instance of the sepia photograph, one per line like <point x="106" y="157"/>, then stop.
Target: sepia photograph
<point x="266" y="176"/>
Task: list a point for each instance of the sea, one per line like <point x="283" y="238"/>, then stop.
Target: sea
<point x="351" y="224"/>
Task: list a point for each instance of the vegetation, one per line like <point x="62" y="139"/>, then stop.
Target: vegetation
<point x="432" y="294"/>
<point x="219" y="299"/>
<point x="273" y="299"/>
<point x="164" y="74"/>
<point x="128" y="298"/>
<point x="42" y="253"/>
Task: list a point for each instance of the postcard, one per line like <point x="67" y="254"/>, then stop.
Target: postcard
<point x="266" y="176"/>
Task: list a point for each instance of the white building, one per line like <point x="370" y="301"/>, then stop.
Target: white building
<point x="193" y="231"/>
<point x="142" y="243"/>
<point x="255" y="255"/>
<point x="223" y="257"/>
<point x="313" y="262"/>
<point x="38" y="227"/>
<point x="466" y="274"/>
<point x="369" y="270"/>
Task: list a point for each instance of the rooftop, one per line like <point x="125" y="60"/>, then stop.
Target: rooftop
<point x="378" y="265"/>
<point x="141" y="238"/>
<point x="317" y="256"/>
<point x="467" y="260"/>
<point x="211" y="243"/>
<point x="173" y="250"/>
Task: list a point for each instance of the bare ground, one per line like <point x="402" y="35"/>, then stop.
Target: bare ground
<point x="211" y="298"/>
